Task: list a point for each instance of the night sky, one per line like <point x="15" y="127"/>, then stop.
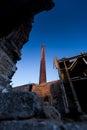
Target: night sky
<point x="63" y="31"/>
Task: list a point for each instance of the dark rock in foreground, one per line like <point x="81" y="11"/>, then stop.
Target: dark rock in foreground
<point x="32" y="124"/>
<point x="41" y="124"/>
<point x="23" y="111"/>
<point x="19" y="105"/>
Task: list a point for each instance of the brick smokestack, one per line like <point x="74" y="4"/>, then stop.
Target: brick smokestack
<point x="42" y="78"/>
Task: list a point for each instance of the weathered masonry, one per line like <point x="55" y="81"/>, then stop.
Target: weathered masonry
<point x="73" y="77"/>
<point x="11" y="44"/>
<point x="42" y="78"/>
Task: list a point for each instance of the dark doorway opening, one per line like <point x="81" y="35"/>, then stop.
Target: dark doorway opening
<point x="80" y="87"/>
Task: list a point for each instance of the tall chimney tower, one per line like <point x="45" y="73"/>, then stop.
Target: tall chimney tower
<point x="42" y="78"/>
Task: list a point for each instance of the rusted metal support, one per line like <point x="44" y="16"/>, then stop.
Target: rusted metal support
<point x="66" y="105"/>
<point x="72" y="89"/>
<point x="84" y="60"/>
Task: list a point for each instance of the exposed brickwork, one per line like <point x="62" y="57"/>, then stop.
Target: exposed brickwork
<point x="26" y="87"/>
<point x="49" y="93"/>
<point x="42" y="78"/>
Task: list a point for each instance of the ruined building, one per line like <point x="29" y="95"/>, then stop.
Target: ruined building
<point x="73" y="78"/>
<point x="68" y="94"/>
<point x="23" y="110"/>
<point x="15" y="27"/>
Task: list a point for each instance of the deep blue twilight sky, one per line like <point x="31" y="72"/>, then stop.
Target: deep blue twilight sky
<point x="63" y="31"/>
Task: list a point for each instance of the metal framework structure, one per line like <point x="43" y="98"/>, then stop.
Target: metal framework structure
<point x="73" y="76"/>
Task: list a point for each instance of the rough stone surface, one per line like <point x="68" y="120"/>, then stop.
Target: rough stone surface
<point x="15" y="12"/>
<point x="10" y="52"/>
<point x="83" y="117"/>
<point x="74" y="126"/>
<point x="19" y="105"/>
<point x="32" y="124"/>
<point x="41" y="124"/>
<point x="14" y="34"/>
<point x="23" y="111"/>
<point x="51" y="113"/>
